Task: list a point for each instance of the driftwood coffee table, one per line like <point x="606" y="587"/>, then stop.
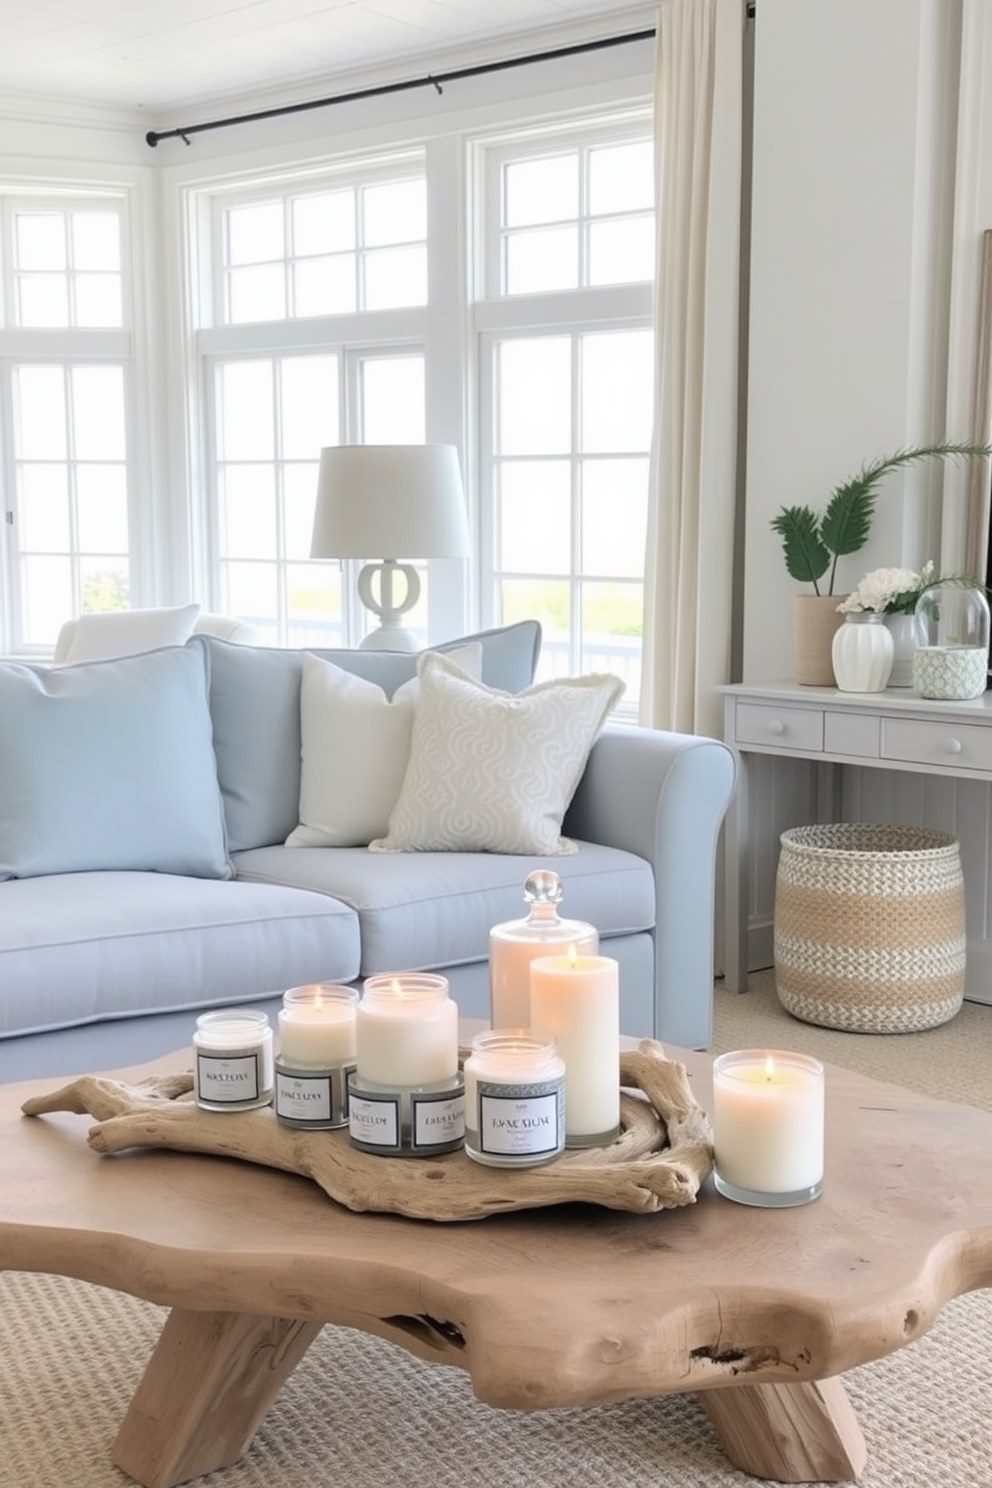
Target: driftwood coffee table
<point x="758" y="1310"/>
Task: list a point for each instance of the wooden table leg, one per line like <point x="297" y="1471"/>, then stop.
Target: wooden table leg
<point x="209" y="1382"/>
<point x="802" y="1433"/>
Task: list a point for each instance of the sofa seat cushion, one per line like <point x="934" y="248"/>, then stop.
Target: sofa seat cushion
<point x="426" y="910"/>
<point x="82" y="947"/>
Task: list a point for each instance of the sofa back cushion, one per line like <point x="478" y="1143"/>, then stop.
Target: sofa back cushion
<point x="110" y="765"/>
<point x="255" y="704"/>
<point x="110" y="633"/>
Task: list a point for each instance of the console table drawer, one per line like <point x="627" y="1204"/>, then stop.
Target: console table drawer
<point x="779" y="728"/>
<point x="949" y="744"/>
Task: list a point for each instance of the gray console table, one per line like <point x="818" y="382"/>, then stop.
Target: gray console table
<point x="892" y="730"/>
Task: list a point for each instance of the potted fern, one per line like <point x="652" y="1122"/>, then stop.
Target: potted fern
<point x="813" y="543"/>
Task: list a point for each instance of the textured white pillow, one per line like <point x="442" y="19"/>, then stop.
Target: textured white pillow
<point x="495" y="771"/>
<point x="114" y="633"/>
<point x="356" y="744"/>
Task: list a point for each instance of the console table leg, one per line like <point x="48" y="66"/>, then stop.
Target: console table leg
<point x="210" y="1380"/>
<point x="803" y="1433"/>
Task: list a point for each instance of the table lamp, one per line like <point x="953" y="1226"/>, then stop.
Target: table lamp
<point x="389" y="498"/>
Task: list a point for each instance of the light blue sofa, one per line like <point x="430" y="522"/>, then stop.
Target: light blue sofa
<point x="103" y="966"/>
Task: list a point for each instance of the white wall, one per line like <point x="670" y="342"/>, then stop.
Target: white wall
<point x="854" y="141"/>
<point x="873" y="185"/>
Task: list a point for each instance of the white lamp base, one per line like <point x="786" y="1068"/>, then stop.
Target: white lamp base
<point x="390" y="638"/>
<point x="391" y="635"/>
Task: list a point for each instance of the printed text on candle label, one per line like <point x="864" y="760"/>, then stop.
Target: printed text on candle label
<point x="438" y="1122"/>
<point x="304" y="1098"/>
<point x="375" y="1122"/>
<point x="511" y="1125"/>
<point x="221" y="1080"/>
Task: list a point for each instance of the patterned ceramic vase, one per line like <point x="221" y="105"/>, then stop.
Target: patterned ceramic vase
<point x="862" y="653"/>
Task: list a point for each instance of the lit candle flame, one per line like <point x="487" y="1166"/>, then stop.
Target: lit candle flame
<point x="573" y="956"/>
<point x="769" y="1067"/>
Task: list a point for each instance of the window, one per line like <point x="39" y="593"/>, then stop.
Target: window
<point x="319" y="292"/>
<point x="272" y="417"/>
<point x="577" y="217"/>
<point x="573" y="419"/>
<point x="65" y="365"/>
<point x="358" y="246"/>
<point x="566" y="418"/>
<point x="512" y="318"/>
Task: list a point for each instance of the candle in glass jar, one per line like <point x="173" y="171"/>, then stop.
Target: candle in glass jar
<point x="232" y="1060"/>
<point x="317" y="1025"/>
<point x="768" y="1127"/>
<point x="576" y="1001"/>
<point x="516" y="943"/>
<point x="514" y="1099"/>
<point x="406" y="1031"/>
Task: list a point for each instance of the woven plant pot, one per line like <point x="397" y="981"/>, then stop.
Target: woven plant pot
<point x="869" y="927"/>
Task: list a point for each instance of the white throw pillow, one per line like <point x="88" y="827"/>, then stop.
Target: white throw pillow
<point x="104" y="636"/>
<point x="355" y="748"/>
<point x="495" y="771"/>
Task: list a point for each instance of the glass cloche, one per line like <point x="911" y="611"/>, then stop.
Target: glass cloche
<point x="952" y="653"/>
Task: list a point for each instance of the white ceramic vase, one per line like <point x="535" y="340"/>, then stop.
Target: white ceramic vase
<point x="904" y="630"/>
<point x="862" y="653"/>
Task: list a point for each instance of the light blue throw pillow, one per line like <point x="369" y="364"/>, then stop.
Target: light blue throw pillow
<point x="110" y="765"/>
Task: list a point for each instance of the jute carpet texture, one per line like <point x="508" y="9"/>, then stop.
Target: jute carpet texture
<point x="361" y="1413"/>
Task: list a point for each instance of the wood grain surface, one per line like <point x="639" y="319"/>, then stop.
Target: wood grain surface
<point x="558" y="1306"/>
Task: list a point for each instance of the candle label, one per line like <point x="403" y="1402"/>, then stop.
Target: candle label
<point x="227" y="1080"/>
<point x="521" y="1120"/>
<point x="303" y="1097"/>
<point x="438" y="1120"/>
<point x="315" y="1098"/>
<point x="374" y="1121"/>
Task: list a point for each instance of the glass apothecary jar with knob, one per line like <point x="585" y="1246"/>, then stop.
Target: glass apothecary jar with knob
<point x="952" y="654"/>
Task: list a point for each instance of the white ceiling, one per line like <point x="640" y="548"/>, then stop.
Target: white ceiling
<point x="159" y="54"/>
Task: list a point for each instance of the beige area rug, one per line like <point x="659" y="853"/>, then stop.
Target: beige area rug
<point x="952" y="1062"/>
<point x="361" y="1413"/>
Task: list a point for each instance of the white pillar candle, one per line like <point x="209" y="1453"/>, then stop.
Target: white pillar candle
<point x="317" y="1026"/>
<point x="406" y="1031"/>
<point x="768" y="1121"/>
<point x="576" y="1001"/>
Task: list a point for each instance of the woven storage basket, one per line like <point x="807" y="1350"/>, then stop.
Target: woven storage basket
<point x="869" y="927"/>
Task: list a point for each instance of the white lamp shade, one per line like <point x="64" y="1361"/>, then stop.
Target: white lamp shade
<point x="390" y="501"/>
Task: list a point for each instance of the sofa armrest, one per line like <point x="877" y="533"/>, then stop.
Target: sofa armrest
<point x="664" y="796"/>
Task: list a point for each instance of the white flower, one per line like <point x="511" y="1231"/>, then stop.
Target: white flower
<point x="879" y="589"/>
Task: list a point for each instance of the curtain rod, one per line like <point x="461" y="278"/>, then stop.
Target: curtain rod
<point x="431" y="80"/>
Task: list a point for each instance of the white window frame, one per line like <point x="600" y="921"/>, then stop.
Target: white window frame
<point x="497" y="316"/>
<point x="67" y="347"/>
<point x="351" y="355"/>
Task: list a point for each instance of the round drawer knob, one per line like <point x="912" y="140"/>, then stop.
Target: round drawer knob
<point x="776" y="726"/>
<point x="954" y="746"/>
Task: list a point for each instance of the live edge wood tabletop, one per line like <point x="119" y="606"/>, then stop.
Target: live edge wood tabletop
<point x="759" y="1310"/>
